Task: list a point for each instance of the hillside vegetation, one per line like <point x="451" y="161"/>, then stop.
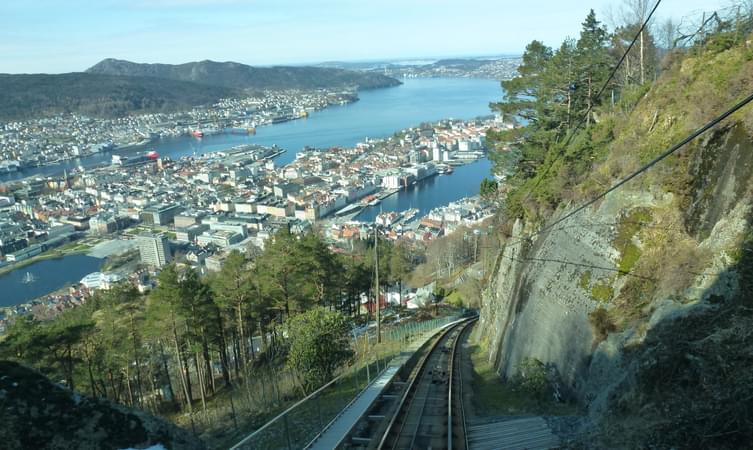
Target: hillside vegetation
<point x="97" y="95"/>
<point x="656" y="275"/>
<point x="184" y="349"/>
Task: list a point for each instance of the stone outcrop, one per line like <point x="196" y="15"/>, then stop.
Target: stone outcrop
<point x="35" y="413"/>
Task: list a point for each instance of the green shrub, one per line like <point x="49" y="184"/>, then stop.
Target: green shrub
<point x="602" y="291"/>
<point x="629" y="226"/>
<point x="601" y="323"/>
<point x="532" y="378"/>
<point x="720" y="42"/>
<point x="630" y="255"/>
<point x="585" y="280"/>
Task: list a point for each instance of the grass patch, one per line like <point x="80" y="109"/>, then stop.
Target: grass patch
<point x="603" y="291"/>
<point x="494" y="397"/>
<point x="630" y="255"/>
<point x="585" y="280"/>
<point x="454" y="299"/>
<point x="629" y="226"/>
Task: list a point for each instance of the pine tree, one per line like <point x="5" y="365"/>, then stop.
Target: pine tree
<point x="592" y="65"/>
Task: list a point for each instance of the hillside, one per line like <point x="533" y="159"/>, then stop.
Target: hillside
<point x="236" y="75"/>
<point x="639" y="306"/>
<point x="39" y="414"/>
<point x="37" y="95"/>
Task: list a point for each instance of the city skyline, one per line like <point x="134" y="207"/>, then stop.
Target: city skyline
<point x="55" y="37"/>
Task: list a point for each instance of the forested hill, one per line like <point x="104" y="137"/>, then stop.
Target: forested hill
<point x="38" y="95"/>
<point x="236" y="75"/>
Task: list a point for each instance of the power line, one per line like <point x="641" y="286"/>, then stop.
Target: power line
<point x="595" y="99"/>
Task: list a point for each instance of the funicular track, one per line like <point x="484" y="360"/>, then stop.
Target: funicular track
<point x="429" y="413"/>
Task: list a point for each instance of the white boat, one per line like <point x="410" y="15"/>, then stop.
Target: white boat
<point x="28" y="278"/>
<point x="348" y="209"/>
<point x="409" y="215"/>
<point x="374" y="202"/>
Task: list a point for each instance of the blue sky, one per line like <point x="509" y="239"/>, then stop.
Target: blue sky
<point x="62" y="36"/>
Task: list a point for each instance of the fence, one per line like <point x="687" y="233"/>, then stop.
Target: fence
<point x="297" y="426"/>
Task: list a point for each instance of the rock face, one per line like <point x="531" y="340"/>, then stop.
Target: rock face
<point x="538" y="303"/>
<point x="38" y="414"/>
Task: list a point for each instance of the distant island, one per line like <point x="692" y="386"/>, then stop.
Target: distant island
<point x="498" y="68"/>
<point x="114" y="88"/>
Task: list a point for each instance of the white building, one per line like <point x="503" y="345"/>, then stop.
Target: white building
<point x="100" y="280"/>
<point x="154" y="250"/>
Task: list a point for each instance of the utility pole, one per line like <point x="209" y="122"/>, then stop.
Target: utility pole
<point x="376" y="265"/>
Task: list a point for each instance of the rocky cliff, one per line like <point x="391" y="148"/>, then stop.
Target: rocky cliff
<point x="641" y="303"/>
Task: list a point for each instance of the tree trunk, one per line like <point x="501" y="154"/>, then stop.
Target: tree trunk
<point x="128" y="385"/>
<point x="241" y="334"/>
<point x="251" y="344"/>
<point x="155" y="394"/>
<point x="643" y="70"/>
<point x="92" y="383"/>
<point x="167" y="373"/>
<point x="202" y="390"/>
<point x="223" y="350"/>
<point x="236" y="354"/>
<point x="183" y="369"/>
<point x="135" y="342"/>
<point x="207" y="364"/>
<point x="588" y="111"/>
<point x="115" y="394"/>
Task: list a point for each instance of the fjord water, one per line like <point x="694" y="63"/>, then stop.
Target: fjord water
<point x="433" y="192"/>
<point x="379" y="113"/>
<point x="48" y="275"/>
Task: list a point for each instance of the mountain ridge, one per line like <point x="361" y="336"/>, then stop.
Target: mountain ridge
<point x="115" y="88"/>
<point x="241" y="76"/>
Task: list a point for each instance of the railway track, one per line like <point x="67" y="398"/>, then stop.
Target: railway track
<point x="428" y="413"/>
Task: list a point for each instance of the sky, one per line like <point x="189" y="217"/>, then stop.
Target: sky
<point x="54" y="36"/>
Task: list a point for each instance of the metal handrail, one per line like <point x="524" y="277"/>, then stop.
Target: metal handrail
<point x="282" y="414"/>
<point x="342" y="411"/>
<point x="290" y="409"/>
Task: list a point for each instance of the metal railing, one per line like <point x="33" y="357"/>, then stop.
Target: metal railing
<point x="301" y="423"/>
